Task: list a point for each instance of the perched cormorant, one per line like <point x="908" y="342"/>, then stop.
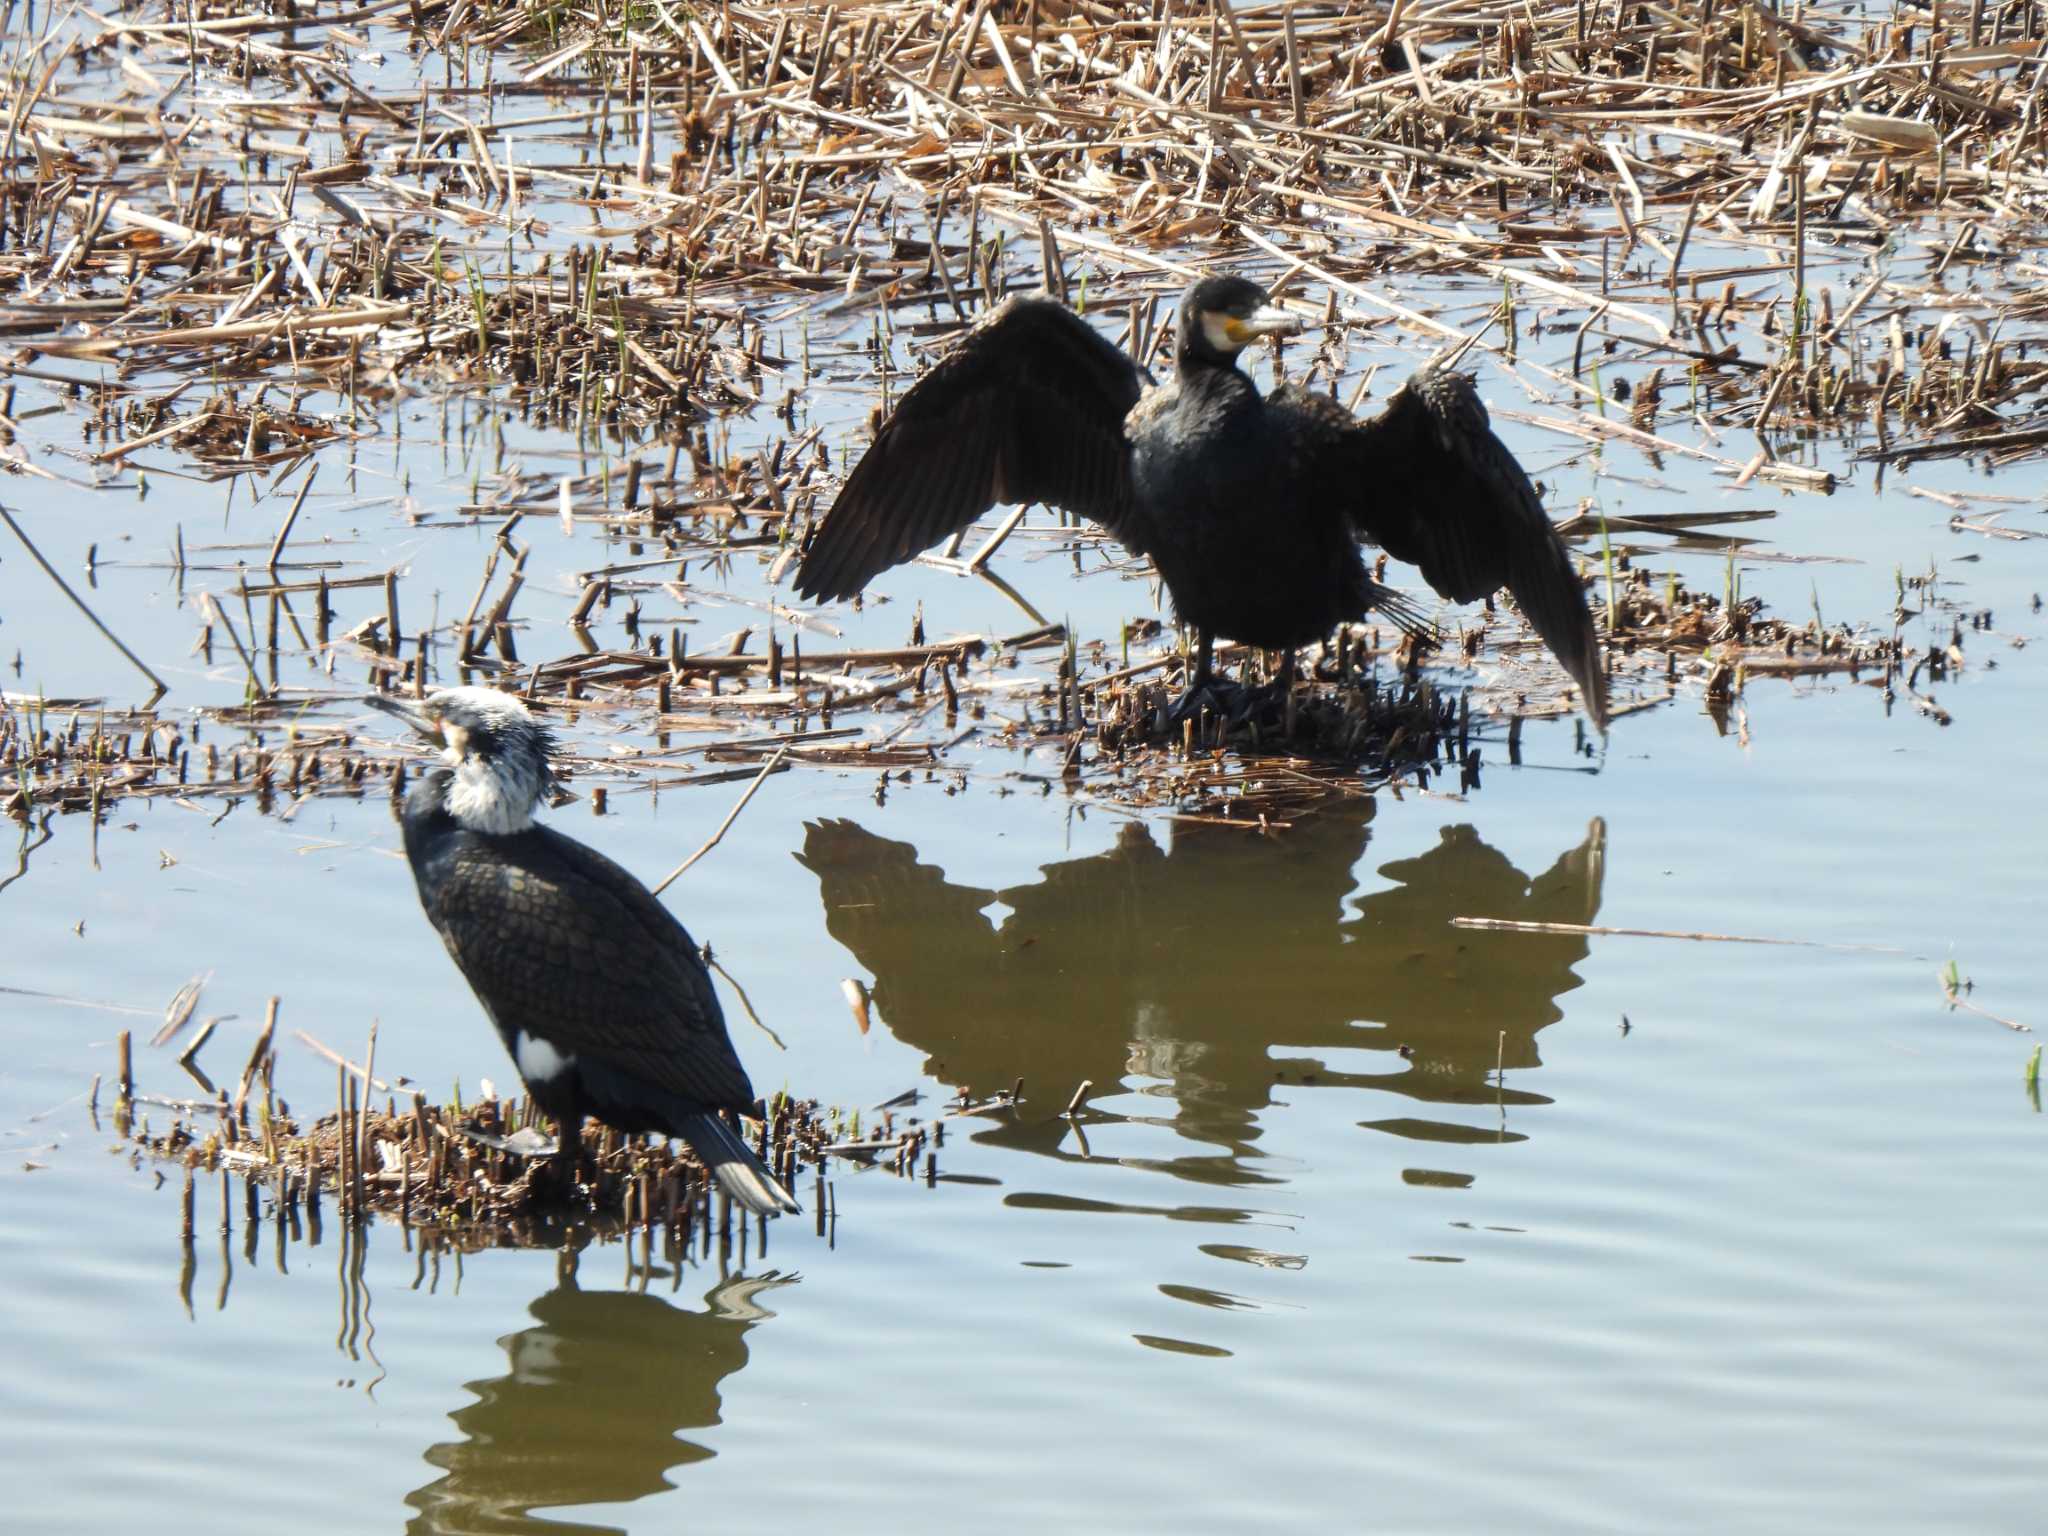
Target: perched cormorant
<point x="1251" y="508"/>
<point x="598" y="993"/>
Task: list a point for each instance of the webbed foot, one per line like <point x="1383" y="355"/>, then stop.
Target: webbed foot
<point x="1211" y="696"/>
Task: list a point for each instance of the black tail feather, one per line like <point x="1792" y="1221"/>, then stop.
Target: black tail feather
<point x="732" y="1162"/>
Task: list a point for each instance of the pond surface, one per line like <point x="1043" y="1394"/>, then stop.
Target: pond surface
<point x="1367" y="1219"/>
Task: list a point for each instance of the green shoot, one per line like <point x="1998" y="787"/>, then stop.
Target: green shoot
<point x="1606" y="553"/>
<point x="476" y="299"/>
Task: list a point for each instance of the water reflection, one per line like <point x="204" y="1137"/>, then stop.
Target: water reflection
<point x="592" y="1410"/>
<point x="1223" y="967"/>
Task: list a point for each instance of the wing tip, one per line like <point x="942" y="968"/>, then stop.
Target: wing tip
<point x="1404" y="613"/>
<point x="1591" y="677"/>
<point x="1563" y="620"/>
<point x="814" y="587"/>
<point x="828" y="571"/>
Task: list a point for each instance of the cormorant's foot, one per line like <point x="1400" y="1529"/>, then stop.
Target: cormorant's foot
<point x="1266" y="704"/>
<point x="560" y="1178"/>
<point x="1214" y="696"/>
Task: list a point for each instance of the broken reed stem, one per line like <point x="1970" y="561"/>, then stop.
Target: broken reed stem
<point x="369" y="1069"/>
<point x="78" y="602"/>
<point x="342" y="1139"/>
<point x="254" y="1069"/>
<point x="1955" y="999"/>
<point x="352" y="1129"/>
<point x="1592" y="930"/>
<point x="199" y="1038"/>
<point x="338" y="1059"/>
<point x="731" y="816"/>
<point x="290" y="518"/>
<point x="211" y="608"/>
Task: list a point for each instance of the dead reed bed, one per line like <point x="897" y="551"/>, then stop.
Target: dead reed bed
<point x="704" y="243"/>
<point x="478" y="1173"/>
<point x="630" y="215"/>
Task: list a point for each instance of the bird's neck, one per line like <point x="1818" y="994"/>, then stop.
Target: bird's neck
<point x="491" y="798"/>
<point x="1194" y="357"/>
<point x="471" y="796"/>
<point x="1216" y="381"/>
<point x="1214" y="386"/>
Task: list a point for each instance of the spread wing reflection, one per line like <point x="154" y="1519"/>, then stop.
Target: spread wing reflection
<point x="1219" y="967"/>
<point x="591" y="1412"/>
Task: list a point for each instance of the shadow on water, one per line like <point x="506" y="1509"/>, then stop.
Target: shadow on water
<point x="592" y="1410"/>
<point x="1215" y="971"/>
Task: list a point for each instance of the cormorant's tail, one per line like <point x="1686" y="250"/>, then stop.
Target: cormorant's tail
<point x="732" y="1162"/>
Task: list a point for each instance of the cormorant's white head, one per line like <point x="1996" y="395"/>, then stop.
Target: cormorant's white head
<point x="1221" y="316"/>
<point x="498" y="751"/>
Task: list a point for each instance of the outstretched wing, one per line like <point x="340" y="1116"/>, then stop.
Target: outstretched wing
<point x="1428" y="482"/>
<point x="1029" y="407"/>
<point x="557" y="940"/>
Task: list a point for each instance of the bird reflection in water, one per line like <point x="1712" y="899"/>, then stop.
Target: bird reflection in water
<point x="1219" y="968"/>
<point x="592" y="1411"/>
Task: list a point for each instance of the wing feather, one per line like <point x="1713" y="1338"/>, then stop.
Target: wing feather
<point x="1429" y="482"/>
<point x="561" y="942"/>
<point x="1029" y="407"/>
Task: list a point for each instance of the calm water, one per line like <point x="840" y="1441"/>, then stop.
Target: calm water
<point x="1368" y="1222"/>
<point x="1776" y="1248"/>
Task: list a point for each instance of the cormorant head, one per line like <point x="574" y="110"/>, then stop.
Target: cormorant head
<point x="498" y="753"/>
<point x="1221" y="316"/>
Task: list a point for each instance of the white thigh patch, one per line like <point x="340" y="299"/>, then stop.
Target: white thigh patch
<point x="538" y="1061"/>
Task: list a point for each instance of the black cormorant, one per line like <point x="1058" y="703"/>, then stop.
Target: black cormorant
<point x="599" y="994"/>
<point x="1251" y="508"/>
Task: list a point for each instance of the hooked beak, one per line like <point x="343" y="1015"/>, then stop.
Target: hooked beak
<point x="1266" y="320"/>
<point x="425" y="729"/>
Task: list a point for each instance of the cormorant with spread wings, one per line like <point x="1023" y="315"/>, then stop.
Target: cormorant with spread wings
<point x="1251" y="507"/>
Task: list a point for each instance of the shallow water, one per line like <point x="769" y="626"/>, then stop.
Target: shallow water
<point x="1775" y="1245"/>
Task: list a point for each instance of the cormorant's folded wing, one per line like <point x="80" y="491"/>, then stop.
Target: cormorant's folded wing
<point x="562" y="943"/>
<point x="1428" y="482"/>
<point x="1029" y="407"/>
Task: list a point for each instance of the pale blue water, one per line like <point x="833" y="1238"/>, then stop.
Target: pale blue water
<point x="1775" y="1246"/>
